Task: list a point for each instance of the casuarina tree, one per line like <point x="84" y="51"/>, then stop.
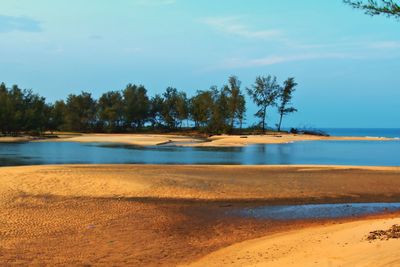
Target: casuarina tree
<point x="389" y="8"/>
<point x="264" y="93"/>
<point x="285" y="97"/>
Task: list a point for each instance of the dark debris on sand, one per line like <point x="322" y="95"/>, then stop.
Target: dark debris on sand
<point x="392" y="233"/>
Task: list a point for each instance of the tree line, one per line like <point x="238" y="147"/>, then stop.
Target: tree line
<point x="215" y="110"/>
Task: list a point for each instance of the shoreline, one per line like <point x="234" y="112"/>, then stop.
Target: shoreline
<point x="190" y="141"/>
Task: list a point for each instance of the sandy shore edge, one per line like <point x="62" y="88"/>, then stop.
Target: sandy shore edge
<point x="182" y="140"/>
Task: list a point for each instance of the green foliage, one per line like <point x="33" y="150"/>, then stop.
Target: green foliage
<point x="264" y="93"/>
<point x="80" y="113"/>
<point x="201" y="108"/>
<point x="387" y="8"/>
<point x="155" y="110"/>
<point x="110" y="108"/>
<point x="21" y="110"/>
<point x="285" y="96"/>
<point x="216" y="110"/>
<point x="175" y="108"/>
<point x="57" y="113"/>
<point x="136" y="104"/>
<point x="221" y="113"/>
<point x="236" y="101"/>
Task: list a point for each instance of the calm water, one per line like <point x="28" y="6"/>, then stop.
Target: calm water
<point x="376" y="132"/>
<point x="318" y="211"/>
<point x="381" y="153"/>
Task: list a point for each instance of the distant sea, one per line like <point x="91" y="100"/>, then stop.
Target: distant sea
<point x="369" y="132"/>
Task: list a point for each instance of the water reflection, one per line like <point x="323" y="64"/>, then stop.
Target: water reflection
<point x="379" y="153"/>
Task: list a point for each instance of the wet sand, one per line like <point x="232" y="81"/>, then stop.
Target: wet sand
<point x="167" y="215"/>
<point x="192" y="141"/>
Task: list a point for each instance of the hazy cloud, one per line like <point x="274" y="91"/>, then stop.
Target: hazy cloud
<point x="386" y="45"/>
<point x="277" y="59"/>
<point x="232" y="25"/>
<point x="153" y="3"/>
<point x="22" y="24"/>
<point x="351" y="45"/>
<point x="95" y="37"/>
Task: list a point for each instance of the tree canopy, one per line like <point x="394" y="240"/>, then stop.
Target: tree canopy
<point x="215" y="110"/>
<point x="264" y="93"/>
<point x="285" y="97"/>
<point x="389" y="8"/>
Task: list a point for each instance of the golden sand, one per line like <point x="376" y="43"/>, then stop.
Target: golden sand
<point x="182" y="140"/>
<point x="207" y="182"/>
<point x="334" y="245"/>
<point x="163" y="215"/>
<point x="237" y="141"/>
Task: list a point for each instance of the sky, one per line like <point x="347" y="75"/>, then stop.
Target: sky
<point x="346" y="63"/>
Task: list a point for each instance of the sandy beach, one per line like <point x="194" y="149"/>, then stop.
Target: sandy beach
<point x="156" y="215"/>
<point x="192" y="141"/>
<point x="341" y="244"/>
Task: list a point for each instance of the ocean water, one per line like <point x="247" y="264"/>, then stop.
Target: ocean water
<point x="371" y="132"/>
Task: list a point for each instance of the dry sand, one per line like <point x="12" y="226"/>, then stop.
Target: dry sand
<point x="11" y="139"/>
<point x="236" y="140"/>
<point x="206" y="182"/>
<point x="168" y="215"/>
<point x="129" y="139"/>
<point x="334" y="245"/>
<point x="181" y="140"/>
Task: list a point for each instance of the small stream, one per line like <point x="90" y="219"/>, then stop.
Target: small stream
<point x="317" y="211"/>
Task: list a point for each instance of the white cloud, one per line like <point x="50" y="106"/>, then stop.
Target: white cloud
<point x="232" y="25"/>
<point x="277" y="59"/>
<point x="385" y="45"/>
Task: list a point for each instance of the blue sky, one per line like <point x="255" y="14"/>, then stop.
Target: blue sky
<point x="346" y="63"/>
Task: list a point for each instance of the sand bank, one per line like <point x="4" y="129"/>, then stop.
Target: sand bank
<point x="334" y="245"/>
<point x="237" y="141"/>
<point x="266" y="183"/>
<point x="129" y="139"/>
<point x="19" y="139"/>
<point x="181" y="140"/>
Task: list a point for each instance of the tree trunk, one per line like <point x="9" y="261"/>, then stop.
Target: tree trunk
<point x="263" y="122"/>
<point x="280" y="122"/>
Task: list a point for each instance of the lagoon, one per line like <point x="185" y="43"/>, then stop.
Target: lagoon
<point x="363" y="153"/>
